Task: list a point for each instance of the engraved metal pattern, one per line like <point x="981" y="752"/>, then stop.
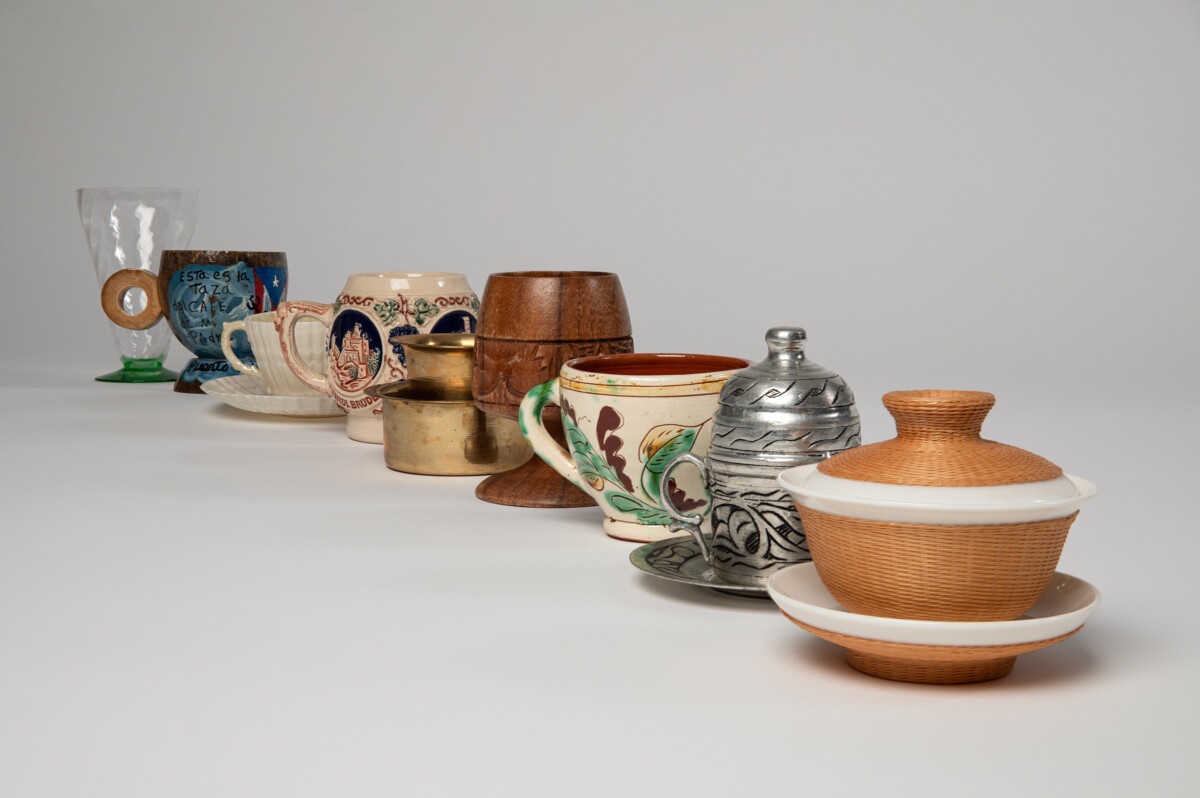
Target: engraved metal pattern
<point x="756" y="529"/>
<point x="785" y="442"/>
<point x="831" y="392"/>
<point x="678" y="559"/>
<point x="786" y="409"/>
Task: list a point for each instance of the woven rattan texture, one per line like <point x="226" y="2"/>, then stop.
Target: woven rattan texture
<point x="906" y="662"/>
<point x="938" y="444"/>
<point x="992" y="572"/>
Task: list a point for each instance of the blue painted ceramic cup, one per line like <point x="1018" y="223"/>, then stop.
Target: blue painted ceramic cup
<point x="198" y="291"/>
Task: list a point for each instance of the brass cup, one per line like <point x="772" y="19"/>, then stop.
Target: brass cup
<point x="430" y="422"/>
<point x="441" y="363"/>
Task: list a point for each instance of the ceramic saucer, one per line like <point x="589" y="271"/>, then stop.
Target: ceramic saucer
<point x="248" y="393"/>
<point x="679" y="560"/>
<point x="935" y="652"/>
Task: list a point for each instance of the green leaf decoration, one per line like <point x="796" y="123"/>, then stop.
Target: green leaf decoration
<point x="592" y="466"/>
<point x="543" y="393"/>
<point x="652" y="472"/>
<point x="645" y="513"/>
<point x="676" y="446"/>
<point x="423" y="310"/>
<point x="652" y="484"/>
<point x="387" y="311"/>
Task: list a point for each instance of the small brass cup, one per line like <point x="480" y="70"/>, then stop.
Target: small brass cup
<point x="441" y="363"/>
<point x="430" y="422"/>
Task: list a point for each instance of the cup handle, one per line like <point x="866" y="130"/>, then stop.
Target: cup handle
<point x="543" y="444"/>
<point x="286" y="316"/>
<point x="227" y="347"/>
<point x="681" y="522"/>
<point x="113" y="292"/>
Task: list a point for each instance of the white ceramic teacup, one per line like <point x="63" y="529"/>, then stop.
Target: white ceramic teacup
<point x="272" y="368"/>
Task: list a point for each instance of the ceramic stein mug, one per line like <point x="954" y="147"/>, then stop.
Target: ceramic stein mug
<point x="625" y="417"/>
<point x="372" y="309"/>
<point x="271" y="369"/>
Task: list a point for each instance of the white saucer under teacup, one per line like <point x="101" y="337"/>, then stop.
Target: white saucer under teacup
<point x="249" y="393"/>
<point x="933" y="652"/>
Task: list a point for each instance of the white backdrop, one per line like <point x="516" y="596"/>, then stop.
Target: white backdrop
<point x="992" y="195"/>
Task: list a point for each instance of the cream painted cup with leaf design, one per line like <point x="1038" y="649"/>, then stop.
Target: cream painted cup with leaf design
<point x="625" y="417"/>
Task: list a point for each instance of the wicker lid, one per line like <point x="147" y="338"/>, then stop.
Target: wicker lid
<point x="785" y="409"/>
<point x="938" y="444"/>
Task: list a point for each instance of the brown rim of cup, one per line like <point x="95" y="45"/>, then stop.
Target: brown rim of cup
<point x="530" y="275"/>
<point x="665" y="364"/>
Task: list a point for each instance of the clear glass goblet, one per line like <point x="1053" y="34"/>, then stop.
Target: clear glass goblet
<point x="128" y="228"/>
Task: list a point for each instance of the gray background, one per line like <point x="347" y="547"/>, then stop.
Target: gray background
<point x="991" y="195"/>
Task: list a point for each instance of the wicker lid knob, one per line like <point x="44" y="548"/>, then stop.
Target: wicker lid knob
<point x="938" y="444"/>
<point x="938" y="415"/>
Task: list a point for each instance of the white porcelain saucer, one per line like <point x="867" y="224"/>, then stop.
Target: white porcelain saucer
<point x="932" y="652"/>
<point x="1063" y="607"/>
<point x="248" y="393"/>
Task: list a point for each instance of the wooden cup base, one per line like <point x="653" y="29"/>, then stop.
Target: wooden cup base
<point x="534" y="484"/>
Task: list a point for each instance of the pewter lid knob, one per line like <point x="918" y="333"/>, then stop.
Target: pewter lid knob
<point x="786" y="341"/>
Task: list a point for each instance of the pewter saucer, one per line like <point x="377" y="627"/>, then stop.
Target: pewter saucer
<point x="678" y="559"/>
<point x="247" y="393"/>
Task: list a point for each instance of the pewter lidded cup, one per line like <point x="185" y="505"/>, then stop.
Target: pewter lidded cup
<point x="782" y="412"/>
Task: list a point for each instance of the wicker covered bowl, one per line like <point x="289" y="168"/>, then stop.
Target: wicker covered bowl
<point x="936" y="524"/>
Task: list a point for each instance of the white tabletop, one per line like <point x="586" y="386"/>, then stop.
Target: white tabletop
<point x="200" y="601"/>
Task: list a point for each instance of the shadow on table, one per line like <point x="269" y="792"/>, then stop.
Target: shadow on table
<point x="225" y="412"/>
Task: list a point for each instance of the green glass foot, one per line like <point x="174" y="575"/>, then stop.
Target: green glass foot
<point x="140" y="370"/>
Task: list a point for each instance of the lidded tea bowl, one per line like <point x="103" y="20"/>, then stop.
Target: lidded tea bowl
<point x="779" y="413"/>
<point x="937" y="523"/>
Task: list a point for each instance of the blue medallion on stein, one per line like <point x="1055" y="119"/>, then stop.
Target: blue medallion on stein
<point x="456" y="321"/>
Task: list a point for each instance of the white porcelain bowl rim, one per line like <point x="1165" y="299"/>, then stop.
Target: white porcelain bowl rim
<point x="917" y="503"/>
<point x="1067" y="602"/>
